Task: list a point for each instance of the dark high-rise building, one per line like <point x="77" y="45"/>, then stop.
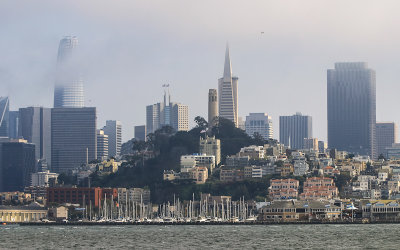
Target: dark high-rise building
<point x="386" y="135"/>
<point x="13" y="124"/>
<point x="352" y="108"/>
<point x="68" y="91"/>
<point x="4" y="116"/>
<point x="293" y="129"/>
<point x="73" y="138"/>
<point x="35" y="127"/>
<point x="140" y="133"/>
<point x="17" y="163"/>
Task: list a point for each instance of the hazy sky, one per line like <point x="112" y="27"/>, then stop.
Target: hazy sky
<point x="131" y="48"/>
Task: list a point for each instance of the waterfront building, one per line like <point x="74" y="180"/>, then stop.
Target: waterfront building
<point x="228" y="92"/>
<point x="386" y="135"/>
<point x="87" y="196"/>
<point x="73" y="138"/>
<point x="102" y="145"/>
<point x="283" y="189"/>
<point x="293" y="210"/>
<point x="140" y="133"/>
<point x="260" y="123"/>
<point x="319" y="188"/>
<point x="167" y="113"/>
<point x="352" y="108"/>
<point x="17" y="163"/>
<point x="211" y="146"/>
<point x="212" y="107"/>
<point x="113" y="130"/>
<point x="35" y="127"/>
<point x="42" y="179"/>
<point x="293" y="129"/>
<point x="4" y="116"/>
<point x="68" y="91"/>
<point x="31" y="213"/>
<point x="13" y="124"/>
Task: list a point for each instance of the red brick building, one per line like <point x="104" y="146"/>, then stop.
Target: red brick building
<point x="80" y="195"/>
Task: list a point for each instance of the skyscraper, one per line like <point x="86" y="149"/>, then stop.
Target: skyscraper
<point x="17" y="163"/>
<point x="114" y="131"/>
<point x="35" y="127"/>
<point x="4" y="116"/>
<point x="68" y="91"/>
<point x="140" y="133"/>
<point x="13" y="124"/>
<point x="102" y="145"/>
<point x="293" y="129"/>
<point x="352" y="108"/>
<point x="212" y="106"/>
<point x="167" y="113"/>
<point x="228" y="92"/>
<point x="259" y="123"/>
<point x="386" y="135"/>
<point x="73" y="138"/>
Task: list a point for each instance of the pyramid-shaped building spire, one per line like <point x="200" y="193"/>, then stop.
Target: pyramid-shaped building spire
<point x="227" y="66"/>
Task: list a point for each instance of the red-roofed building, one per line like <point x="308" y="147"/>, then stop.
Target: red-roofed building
<point x="283" y="189"/>
<point x="319" y="188"/>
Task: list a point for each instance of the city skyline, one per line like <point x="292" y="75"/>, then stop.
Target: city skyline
<point x="281" y="58"/>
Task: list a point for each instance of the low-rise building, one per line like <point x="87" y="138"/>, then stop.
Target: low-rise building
<point x="30" y="213"/>
<point x="253" y="152"/>
<point x="136" y="195"/>
<point x="283" y="189"/>
<point x="231" y="175"/>
<point x="197" y="160"/>
<point x="319" y="188"/>
<point x="41" y="179"/>
<point x="252" y="172"/>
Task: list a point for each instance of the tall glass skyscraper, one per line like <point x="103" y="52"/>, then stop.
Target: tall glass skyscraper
<point x="68" y="91"/>
<point x="352" y="108"/>
<point x="293" y="129"/>
<point x="4" y="116"/>
<point x="228" y="92"/>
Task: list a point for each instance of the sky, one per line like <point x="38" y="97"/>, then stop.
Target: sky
<point x="280" y="50"/>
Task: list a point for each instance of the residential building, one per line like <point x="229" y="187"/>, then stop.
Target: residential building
<point x="260" y="123"/>
<point x="386" y="135"/>
<point x="301" y="167"/>
<point x="35" y="127"/>
<point x="4" y="116"/>
<point x="319" y="188"/>
<point x="252" y="172"/>
<point x="102" y="145"/>
<point x="283" y="189"/>
<point x="68" y="91"/>
<point x="114" y="131"/>
<point x="211" y="146"/>
<point x="73" y="138"/>
<point x="41" y="179"/>
<point x="196" y="160"/>
<point x="212" y="107"/>
<point x="311" y="144"/>
<point x="253" y="152"/>
<point x="352" y="108"/>
<point x="17" y="163"/>
<point x="293" y="129"/>
<point x="228" y="92"/>
<point x="231" y="175"/>
<point x="140" y="133"/>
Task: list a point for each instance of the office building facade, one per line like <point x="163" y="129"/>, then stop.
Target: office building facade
<point x="114" y="131"/>
<point x="102" y="145"/>
<point x="73" y="138"/>
<point x="13" y="124"/>
<point x="35" y="127"/>
<point x="17" y="163"/>
<point x="293" y="129"/>
<point x="140" y="133"/>
<point x="352" y="108"/>
<point x="260" y="123"/>
<point x="386" y="135"/>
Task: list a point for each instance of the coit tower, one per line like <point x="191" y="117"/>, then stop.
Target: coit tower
<point x="212" y="107"/>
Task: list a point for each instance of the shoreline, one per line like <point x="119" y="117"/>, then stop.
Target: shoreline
<point x="196" y="223"/>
